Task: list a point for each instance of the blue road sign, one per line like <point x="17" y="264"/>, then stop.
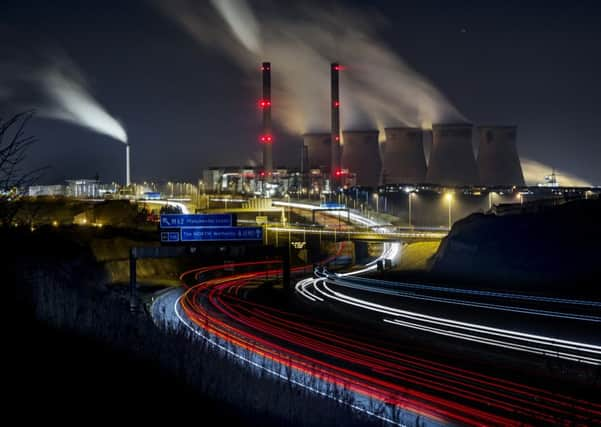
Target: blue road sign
<point x="197" y="220"/>
<point x="169" y="236"/>
<point x="217" y="234"/>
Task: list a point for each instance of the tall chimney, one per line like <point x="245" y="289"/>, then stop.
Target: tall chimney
<point x="127" y="176"/>
<point x="265" y="104"/>
<point x="335" y="140"/>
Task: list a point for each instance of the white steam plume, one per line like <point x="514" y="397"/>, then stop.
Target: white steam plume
<point x="241" y="20"/>
<point x="535" y="172"/>
<point x="73" y="103"/>
<point x="377" y="86"/>
<point x="53" y="86"/>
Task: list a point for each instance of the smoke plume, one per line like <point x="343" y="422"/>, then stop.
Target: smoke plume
<point x="52" y="85"/>
<point x="377" y="86"/>
<point x="535" y="172"/>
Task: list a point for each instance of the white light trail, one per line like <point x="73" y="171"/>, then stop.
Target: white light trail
<point x="168" y="203"/>
<point x="490" y="306"/>
<point x="521" y="341"/>
<point x="494" y="294"/>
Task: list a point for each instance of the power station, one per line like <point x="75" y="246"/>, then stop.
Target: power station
<point x="345" y="157"/>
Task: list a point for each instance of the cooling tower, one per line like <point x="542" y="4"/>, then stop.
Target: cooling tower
<point x="403" y="160"/>
<point x="318" y="150"/>
<point x="452" y="159"/>
<point x="498" y="160"/>
<point x="361" y="156"/>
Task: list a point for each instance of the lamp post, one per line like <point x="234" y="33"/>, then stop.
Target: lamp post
<point x="449" y="197"/>
<point x="287" y="196"/>
<point x="410" y="198"/>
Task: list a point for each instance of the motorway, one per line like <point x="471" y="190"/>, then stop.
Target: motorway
<point x="385" y="376"/>
<point x="509" y="321"/>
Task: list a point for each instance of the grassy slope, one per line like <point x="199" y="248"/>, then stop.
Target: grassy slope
<point x="415" y="256"/>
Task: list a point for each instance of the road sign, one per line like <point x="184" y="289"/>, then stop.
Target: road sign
<point x="198" y="220"/>
<point x="170" y="236"/>
<point x="218" y="234"/>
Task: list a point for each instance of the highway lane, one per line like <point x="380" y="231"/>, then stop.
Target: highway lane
<point x="469" y="322"/>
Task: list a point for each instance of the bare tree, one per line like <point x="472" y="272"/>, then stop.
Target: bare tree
<point x="14" y="144"/>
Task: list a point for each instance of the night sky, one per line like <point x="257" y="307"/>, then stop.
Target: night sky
<point x="533" y="64"/>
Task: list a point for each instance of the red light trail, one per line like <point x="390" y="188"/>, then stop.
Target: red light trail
<point x="341" y="355"/>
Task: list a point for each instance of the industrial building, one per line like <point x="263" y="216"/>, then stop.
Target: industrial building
<point x="251" y="180"/>
<point x="46" y="190"/>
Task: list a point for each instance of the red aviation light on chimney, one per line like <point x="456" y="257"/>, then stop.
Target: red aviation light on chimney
<point x="337" y="138"/>
<point x="264" y="103"/>
<point x="265" y="68"/>
<point x="338" y="67"/>
<point x="336" y="104"/>
<point x="266" y="139"/>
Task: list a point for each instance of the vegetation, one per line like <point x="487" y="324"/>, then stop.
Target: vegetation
<point x="60" y="286"/>
<point x="14" y="145"/>
<point x="416" y="256"/>
<point x="555" y="249"/>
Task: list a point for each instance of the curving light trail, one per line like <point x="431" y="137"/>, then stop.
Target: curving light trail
<point x="180" y="205"/>
<point x="495" y="294"/>
<point x="340" y="355"/>
<point x="514" y="340"/>
<point x="320" y="352"/>
<point x="390" y="289"/>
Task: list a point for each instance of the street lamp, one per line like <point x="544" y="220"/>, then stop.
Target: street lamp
<point x="411" y="195"/>
<point x="490" y="197"/>
<point x="449" y="197"/>
<point x="287" y="196"/>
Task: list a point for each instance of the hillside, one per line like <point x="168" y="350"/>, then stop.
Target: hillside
<point x="557" y="248"/>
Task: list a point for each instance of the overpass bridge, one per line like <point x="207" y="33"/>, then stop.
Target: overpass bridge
<point x="370" y="235"/>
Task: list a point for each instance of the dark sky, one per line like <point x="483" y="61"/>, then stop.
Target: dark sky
<point x="533" y="64"/>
